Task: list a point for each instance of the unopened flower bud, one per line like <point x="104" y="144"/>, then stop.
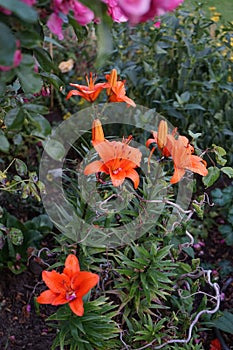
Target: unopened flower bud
<point x="162" y="134"/>
<point x="112" y="80"/>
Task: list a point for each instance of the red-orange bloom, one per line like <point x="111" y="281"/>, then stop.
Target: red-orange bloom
<point x="69" y="286"/>
<point x="181" y="151"/>
<point x="118" y="159"/>
<point x="215" y="344"/>
<point x="117" y="92"/>
<point x="89" y="92"/>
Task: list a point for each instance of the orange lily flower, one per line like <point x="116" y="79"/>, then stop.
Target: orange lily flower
<point x="117" y="92"/>
<point x="89" y="92"/>
<point x="69" y="286"/>
<point x="181" y="152"/>
<point x="118" y="159"/>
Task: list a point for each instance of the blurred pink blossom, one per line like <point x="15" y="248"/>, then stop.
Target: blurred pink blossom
<point x="82" y="14"/>
<point x="45" y="91"/>
<point x="5" y="11"/>
<point x="157" y="24"/>
<point x="143" y="10"/>
<point x="115" y="11"/>
<point x="55" y="25"/>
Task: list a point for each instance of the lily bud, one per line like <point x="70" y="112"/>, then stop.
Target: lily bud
<point x="112" y="81"/>
<point x="97" y="132"/>
<point x="162" y="134"/>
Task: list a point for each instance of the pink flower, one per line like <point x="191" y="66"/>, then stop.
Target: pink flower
<point x="17" y="58"/>
<point x="61" y="6"/>
<point x="157" y="24"/>
<point x="115" y="11"/>
<point x="55" y="25"/>
<point x="134" y="9"/>
<point x="143" y="10"/>
<point x="5" y="11"/>
<point x="82" y="14"/>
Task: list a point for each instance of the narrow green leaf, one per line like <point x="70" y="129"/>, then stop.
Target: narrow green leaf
<point x="194" y="106"/>
<point x="225" y="323"/>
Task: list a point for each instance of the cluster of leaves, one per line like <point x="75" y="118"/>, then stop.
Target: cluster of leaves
<point x="183" y="69"/>
<point x="24" y="182"/>
<point x="223" y="199"/>
<point x="156" y="295"/>
<point x="16" y="237"/>
<point x="94" y="330"/>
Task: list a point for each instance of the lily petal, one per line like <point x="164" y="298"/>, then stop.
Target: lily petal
<point x="118" y="179"/>
<point x="76" y="306"/>
<point x="177" y="176"/>
<point x="46" y="297"/>
<point x="55" y="281"/>
<point x="133" y="175"/>
<point x="71" y="265"/>
<point x="73" y="93"/>
<point x="83" y="281"/>
<point x="197" y="166"/>
<point x="60" y="299"/>
<point x="93" y="167"/>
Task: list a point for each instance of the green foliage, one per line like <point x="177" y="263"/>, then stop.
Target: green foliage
<point x="224" y="199"/>
<point x="146" y="330"/>
<point x="145" y="275"/>
<point x="16" y="237"/>
<point x="7" y="45"/>
<point x="224" y="322"/>
<point x="184" y="70"/>
<point x="189" y="346"/>
<point x="94" y="330"/>
<point x="24" y="182"/>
